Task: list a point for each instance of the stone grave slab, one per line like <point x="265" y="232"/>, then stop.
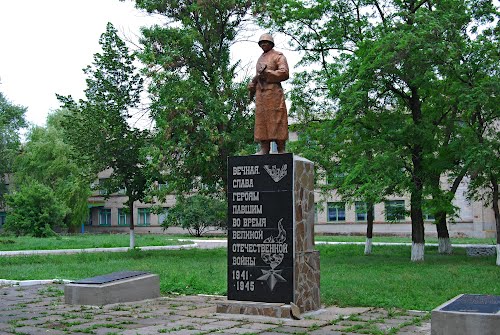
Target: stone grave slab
<point x="467" y="314"/>
<point x="117" y="287"/>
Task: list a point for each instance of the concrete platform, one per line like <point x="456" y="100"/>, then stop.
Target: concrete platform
<point x="101" y="292"/>
<point x="467" y="315"/>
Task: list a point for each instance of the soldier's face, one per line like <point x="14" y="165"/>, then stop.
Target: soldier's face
<point x="266" y="46"/>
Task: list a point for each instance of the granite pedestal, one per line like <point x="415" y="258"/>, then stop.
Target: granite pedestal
<point x="273" y="269"/>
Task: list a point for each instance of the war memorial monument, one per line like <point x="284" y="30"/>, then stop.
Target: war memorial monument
<point x="273" y="269"/>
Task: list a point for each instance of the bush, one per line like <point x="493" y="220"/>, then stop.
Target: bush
<point x="198" y="214"/>
<point x="34" y="210"/>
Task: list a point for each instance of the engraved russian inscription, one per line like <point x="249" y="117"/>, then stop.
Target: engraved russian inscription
<point x="478" y="303"/>
<point x="260" y="230"/>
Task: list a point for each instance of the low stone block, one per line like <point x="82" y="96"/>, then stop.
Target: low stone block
<point x="135" y="288"/>
<point x="467" y="314"/>
<point x="480" y="250"/>
<point x="276" y="310"/>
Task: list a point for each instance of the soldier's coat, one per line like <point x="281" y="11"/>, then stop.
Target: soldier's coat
<point x="271" y="119"/>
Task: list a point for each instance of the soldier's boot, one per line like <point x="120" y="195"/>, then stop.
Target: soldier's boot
<point x="265" y="146"/>
<point x="281" y="146"/>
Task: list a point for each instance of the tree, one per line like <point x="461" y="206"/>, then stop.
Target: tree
<point x="198" y="214"/>
<point x="388" y="59"/>
<point x="98" y="127"/>
<point x="200" y="109"/>
<point x="34" y="210"/>
<point x="480" y="84"/>
<point x="11" y="121"/>
<point x="47" y="159"/>
<point x="355" y="172"/>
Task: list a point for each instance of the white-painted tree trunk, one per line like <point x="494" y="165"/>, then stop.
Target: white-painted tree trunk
<point x="132" y="239"/>
<point x="368" y="246"/>
<point x="417" y="252"/>
<point x="445" y="246"/>
<point x="498" y="254"/>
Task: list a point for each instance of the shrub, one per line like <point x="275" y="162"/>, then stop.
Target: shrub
<point x="198" y="214"/>
<point x="34" y="210"/>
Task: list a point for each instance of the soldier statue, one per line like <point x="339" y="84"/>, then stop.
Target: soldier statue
<point x="271" y="118"/>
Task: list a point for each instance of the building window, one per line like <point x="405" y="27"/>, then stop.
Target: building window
<point x="3" y="216"/>
<point x="361" y="211"/>
<point x="395" y="210"/>
<point x="163" y="215"/>
<point x="143" y="217"/>
<point x="102" y="189"/>
<point x="123" y="217"/>
<point x="429" y="217"/>
<point x="336" y="211"/>
<point x="104" y="216"/>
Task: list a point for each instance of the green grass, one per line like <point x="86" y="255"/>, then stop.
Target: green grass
<point x="81" y="241"/>
<point x="394" y="239"/>
<point x="388" y="279"/>
<point x="348" y="278"/>
<point x="181" y="271"/>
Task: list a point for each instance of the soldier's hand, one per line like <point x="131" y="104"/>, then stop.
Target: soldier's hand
<point x="263" y="75"/>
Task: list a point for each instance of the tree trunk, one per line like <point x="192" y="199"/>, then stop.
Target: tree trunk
<point x="417" y="225"/>
<point x="440" y="218"/>
<point x="369" y="228"/>
<point x="417" y="158"/>
<point x="496" y="210"/>
<point x="132" y="232"/>
<point x="443" y="234"/>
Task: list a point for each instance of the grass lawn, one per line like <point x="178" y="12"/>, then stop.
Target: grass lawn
<point x="81" y="241"/>
<point x="348" y="278"/>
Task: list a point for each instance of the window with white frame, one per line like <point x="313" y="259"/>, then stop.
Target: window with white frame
<point x="123" y="217"/>
<point x="395" y="210"/>
<point x="143" y="216"/>
<point x="429" y="217"/>
<point x="163" y="215"/>
<point x="102" y="189"/>
<point x="336" y="212"/>
<point x="104" y="216"/>
<point x="361" y="208"/>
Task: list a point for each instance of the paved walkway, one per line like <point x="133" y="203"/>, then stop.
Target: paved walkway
<point x="40" y="309"/>
<point x="190" y="244"/>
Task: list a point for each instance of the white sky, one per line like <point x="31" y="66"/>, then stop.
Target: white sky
<point x="44" y="45"/>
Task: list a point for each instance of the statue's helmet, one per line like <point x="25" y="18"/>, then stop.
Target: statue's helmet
<point x="266" y="37"/>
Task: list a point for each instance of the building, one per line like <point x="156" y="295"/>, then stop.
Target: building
<point x="109" y="214"/>
<point x="333" y="216"/>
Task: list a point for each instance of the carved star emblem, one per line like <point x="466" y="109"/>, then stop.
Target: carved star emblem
<point x="272" y="277"/>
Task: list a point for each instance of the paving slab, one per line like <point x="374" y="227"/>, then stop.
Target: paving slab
<point x="40" y="309"/>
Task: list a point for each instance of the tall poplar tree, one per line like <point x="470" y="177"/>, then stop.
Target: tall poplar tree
<point x="98" y="126"/>
<point x="199" y="105"/>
